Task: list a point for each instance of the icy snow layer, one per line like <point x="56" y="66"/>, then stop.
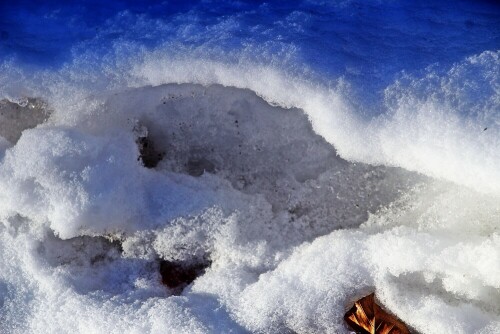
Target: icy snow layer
<point x="293" y="232"/>
<point x="250" y="181"/>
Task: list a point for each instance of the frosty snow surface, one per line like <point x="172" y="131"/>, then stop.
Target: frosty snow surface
<point x="304" y="153"/>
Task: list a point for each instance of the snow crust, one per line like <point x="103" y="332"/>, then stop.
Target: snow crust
<point x="294" y="233"/>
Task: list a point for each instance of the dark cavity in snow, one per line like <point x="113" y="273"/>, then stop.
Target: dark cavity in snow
<point x="149" y="156"/>
<point x="177" y="274"/>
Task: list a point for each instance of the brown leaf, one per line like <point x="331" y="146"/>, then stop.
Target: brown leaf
<point x="367" y="317"/>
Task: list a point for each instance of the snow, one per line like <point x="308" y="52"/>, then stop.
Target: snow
<point x="270" y="166"/>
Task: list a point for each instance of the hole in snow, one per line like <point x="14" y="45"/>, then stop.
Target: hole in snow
<point x="178" y="274"/>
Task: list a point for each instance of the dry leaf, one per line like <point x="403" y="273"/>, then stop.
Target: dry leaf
<point x="367" y="317"/>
